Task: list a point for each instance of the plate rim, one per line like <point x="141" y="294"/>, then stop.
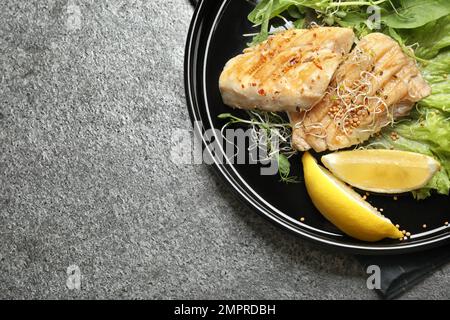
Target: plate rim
<point x="223" y="170"/>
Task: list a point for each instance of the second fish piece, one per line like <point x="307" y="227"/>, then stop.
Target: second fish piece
<point x="376" y="84"/>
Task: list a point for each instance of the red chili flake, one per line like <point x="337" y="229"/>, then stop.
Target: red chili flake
<point x="317" y="65"/>
<point x="242" y="86"/>
<point x="261" y="92"/>
<point x="253" y="84"/>
<point x="293" y="61"/>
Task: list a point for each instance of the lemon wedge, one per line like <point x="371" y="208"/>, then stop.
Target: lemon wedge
<point x="344" y="207"/>
<point x="382" y="171"/>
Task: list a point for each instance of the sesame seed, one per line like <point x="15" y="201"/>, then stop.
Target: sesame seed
<point x="405" y="238"/>
<point x="395" y="198"/>
<point x="302" y="219"/>
<point x="381" y="209"/>
<point x="404" y="231"/>
<point x="408" y="234"/>
<point x="446" y="223"/>
<point x="397" y="226"/>
<point x="424" y="226"/>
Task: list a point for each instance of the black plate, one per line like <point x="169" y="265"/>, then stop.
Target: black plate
<point x="215" y="36"/>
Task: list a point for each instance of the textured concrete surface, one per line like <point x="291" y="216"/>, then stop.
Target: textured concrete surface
<point x="89" y="92"/>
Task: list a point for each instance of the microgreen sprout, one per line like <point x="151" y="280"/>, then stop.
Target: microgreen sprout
<point x="275" y="131"/>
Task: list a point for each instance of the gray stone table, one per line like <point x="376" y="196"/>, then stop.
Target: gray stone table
<point x="90" y="92"/>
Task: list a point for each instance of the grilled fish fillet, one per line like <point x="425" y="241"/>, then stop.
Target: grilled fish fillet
<point x="376" y="84"/>
<point x="288" y="72"/>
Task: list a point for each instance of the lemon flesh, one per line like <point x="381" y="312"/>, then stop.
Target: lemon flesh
<point x="382" y="171"/>
<point x="344" y="207"/>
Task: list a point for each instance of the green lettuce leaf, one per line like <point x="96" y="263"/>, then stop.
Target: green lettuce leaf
<point x="430" y="38"/>
<point x="262" y="15"/>
<point x="410" y="14"/>
<point x="276" y="7"/>
<point x="436" y="73"/>
<point x="266" y="10"/>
